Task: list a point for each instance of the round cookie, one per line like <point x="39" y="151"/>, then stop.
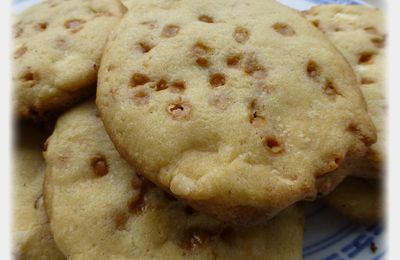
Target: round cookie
<point x="239" y="108"/>
<point x="359" y="33"/>
<point x="358" y="199"/>
<point x="57" y="50"/>
<point x="100" y="209"/>
<point x="31" y="236"/>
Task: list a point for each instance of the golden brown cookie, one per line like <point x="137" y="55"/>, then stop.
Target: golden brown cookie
<point x="360" y="200"/>
<point x="239" y="108"/>
<point x="359" y="33"/>
<point x="57" y="50"/>
<point x="100" y="209"/>
<point x="31" y="236"/>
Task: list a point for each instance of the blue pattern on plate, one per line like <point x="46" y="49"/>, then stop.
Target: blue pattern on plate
<point x="329" y="236"/>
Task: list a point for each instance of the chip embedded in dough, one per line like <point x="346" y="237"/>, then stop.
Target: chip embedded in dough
<point x="359" y="33"/>
<point x="100" y="209"/>
<point x="360" y="200"/>
<point x="240" y="108"/>
<point x="57" y="50"/>
<point x="31" y="236"/>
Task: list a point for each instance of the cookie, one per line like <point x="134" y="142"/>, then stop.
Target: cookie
<point x="57" y="50"/>
<point x="359" y="33"/>
<point x="31" y="236"/>
<point x="239" y="108"/>
<point x="100" y="209"/>
<point x="358" y="199"/>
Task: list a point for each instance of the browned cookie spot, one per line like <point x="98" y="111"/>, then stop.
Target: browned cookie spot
<point x="371" y="30"/>
<point x="284" y="29"/>
<point x="137" y="204"/>
<point x="316" y="23"/>
<point x="217" y="80"/>
<point x="99" y="165"/>
<point x="201" y="50"/>
<point x="20" y="51"/>
<point x="257" y="120"/>
<point x="141" y="98"/>
<point x="161" y="85"/>
<point x="40" y="26"/>
<point x="206" y="19"/>
<point x="145" y="47"/>
<point x="120" y="220"/>
<point x="367" y="81"/>
<point x="366" y="58"/>
<point x="313" y="70"/>
<point x="139" y="79"/>
<point x="74" y="25"/>
<point x="338" y="159"/>
<point x="233" y="60"/>
<point x="178" y="86"/>
<point x="253" y="106"/>
<point x="330" y="88"/>
<point x="254" y="69"/>
<point x="179" y="110"/>
<point x="202" y="62"/>
<point x="273" y="144"/>
<point x="30" y="78"/>
<point x="170" y="30"/>
<point x="355" y="129"/>
<point x="379" y="42"/>
<point x="241" y="35"/>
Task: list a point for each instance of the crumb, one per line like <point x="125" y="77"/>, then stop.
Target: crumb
<point x="373" y="247"/>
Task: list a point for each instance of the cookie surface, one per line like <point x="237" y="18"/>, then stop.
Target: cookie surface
<point x="31" y="236"/>
<point x="237" y="115"/>
<point x="100" y="209"/>
<point x="358" y="199"/>
<point x="57" y="50"/>
<point x="359" y="33"/>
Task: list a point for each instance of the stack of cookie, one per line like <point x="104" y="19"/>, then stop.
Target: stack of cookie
<point x="212" y="121"/>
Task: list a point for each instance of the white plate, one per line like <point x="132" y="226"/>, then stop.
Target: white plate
<point x="328" y="236"/>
